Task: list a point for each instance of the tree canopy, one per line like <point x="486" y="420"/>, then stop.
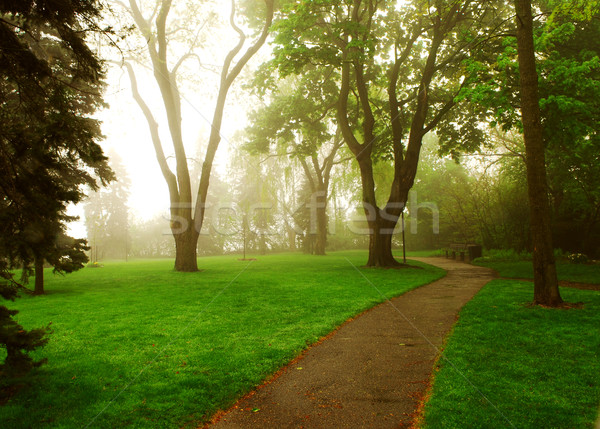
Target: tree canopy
<point x="400" y="68"/>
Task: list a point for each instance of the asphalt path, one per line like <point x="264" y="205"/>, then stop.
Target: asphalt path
<point x="373" y="371"/>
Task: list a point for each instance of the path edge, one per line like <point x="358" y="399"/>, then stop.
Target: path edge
<point x="219" y="414"/>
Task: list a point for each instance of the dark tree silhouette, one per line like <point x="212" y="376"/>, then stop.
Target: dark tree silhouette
<point x="50" y="85"/>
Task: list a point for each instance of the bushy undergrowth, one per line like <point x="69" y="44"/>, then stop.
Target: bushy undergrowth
<point x="504" y="255"/>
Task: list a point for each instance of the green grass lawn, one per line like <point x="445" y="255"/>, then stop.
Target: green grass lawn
<point x="524" y="270"/>
<point x="136" y="344"/>
<point x="532" y="367"/>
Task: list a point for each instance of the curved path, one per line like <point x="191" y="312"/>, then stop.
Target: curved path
<point x="373" y="371"/>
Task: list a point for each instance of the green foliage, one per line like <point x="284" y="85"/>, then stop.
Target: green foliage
<point x="568" y="64"/>
<point x="18" y="342"/>
<point x="398" y="69"/>
<point x="49" y="142"/>
<point x="503" y="255"/>
<point x="570" y="94"/>
<point x="567" y="40"/>
<point x="484" y="198"/>
<point x="533" y="367"/>
<point x="510" y="255"/>
<point x="319" y="34"/>
<point x="180" y="346"/>
<point x="581" y="10"/>
<point x="50" y="83"/>
<point x="298" y="118"/>
<point x="478" y="200"/>
<point x="15" y="341"/>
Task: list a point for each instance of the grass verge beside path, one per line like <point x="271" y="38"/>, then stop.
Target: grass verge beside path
<point x="524" y="270"/>
<point x="183" y="345"/>
<point x="539" y="367"/>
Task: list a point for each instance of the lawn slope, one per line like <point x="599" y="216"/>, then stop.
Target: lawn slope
<point x="136" y="344"/>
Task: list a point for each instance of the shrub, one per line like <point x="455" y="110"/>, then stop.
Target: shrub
<point x="14" y="339"/>
<point x="577" y="258"/>
<point x="504" y="255"/>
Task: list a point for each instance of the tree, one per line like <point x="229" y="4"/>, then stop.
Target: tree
<point x="255" y="191"/>
<point x="16" y="340"/>
<point x="567" y="59"/>
<point x="186" y="220"/>
<point x="298" y="122"/>
<point x="558" y="117"/>
<point x="149" y="239"/>
<point x="544" y="266"/>
<point x="50" y="86"/>
<point x="49" y="143"/>
<point x="401" y="68"/>
<point x="568" y="52"/>
<point x="481" y="199"/>
<point x="318" y="175"/>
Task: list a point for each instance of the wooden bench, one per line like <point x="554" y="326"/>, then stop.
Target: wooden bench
<point x="467" y="252"/>
<point x="454" y="249"/>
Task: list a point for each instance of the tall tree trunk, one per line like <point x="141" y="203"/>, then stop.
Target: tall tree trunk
<point x="544" y="267"/>
<point x="321" y="232"/>
<point x="308" y="244"/>
<point x="381" y="222"/>
<point x="186" y="243"/>
<point x="39" y="276"/>
<point x="380" y="243"/>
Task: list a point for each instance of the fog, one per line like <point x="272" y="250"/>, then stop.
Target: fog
<point x="126" y="130"/>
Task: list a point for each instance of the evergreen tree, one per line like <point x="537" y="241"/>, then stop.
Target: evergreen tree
<point x="50" y="85"/>
<point x="16" y="340"/>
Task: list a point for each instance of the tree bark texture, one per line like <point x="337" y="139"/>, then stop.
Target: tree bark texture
<point x="544" y="267"/>
<point x="39" y="276"/>
<point x="186" y="243"/>
<point x="380" y="243"/>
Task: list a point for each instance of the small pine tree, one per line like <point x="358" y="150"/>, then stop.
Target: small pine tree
<point x="13" y="337"/>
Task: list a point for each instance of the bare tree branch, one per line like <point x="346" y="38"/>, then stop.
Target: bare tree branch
<point x="153" y="125"/>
